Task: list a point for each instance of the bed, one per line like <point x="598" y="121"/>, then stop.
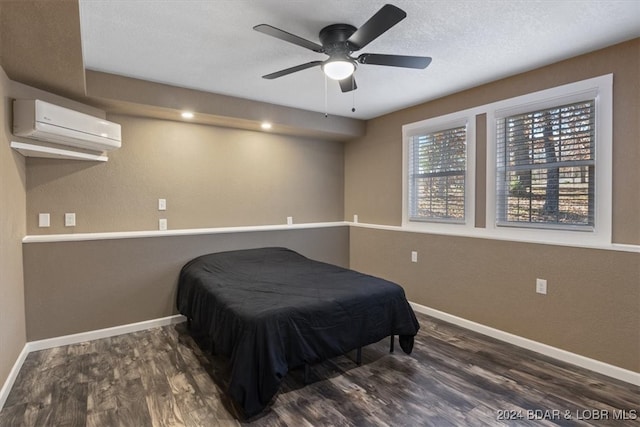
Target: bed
<point x="272" y="309"/>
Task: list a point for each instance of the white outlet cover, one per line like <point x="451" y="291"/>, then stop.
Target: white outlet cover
<point x="162" y="204"/>
<point x="541" y="286"/>
<point x="162" y="224"/>
<point x="70" y="220"/>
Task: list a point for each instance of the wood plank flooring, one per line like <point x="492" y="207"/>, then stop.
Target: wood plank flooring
<point x="454" y="377"/>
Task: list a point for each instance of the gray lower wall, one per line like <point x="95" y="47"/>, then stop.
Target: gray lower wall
<point x="592" y="305"/>
<point x="591" y="308"/>
<point x="73" y="287"/>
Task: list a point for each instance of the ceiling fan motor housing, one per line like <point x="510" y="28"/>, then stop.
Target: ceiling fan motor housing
<point x="334" y="39"/>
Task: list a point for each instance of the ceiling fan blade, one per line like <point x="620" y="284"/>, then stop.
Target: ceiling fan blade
<point x="291" y="70"/>
<point x="395" y="60"/>
<point x="288" y="37"/>
<point x="348" y="84"/>
<point x="384" y="19"/>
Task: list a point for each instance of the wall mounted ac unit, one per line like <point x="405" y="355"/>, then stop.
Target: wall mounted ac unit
<point x="33" y="118"/>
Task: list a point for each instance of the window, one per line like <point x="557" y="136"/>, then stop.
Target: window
<point x="546" y="177"/>
<point x="549" y="165"/>
<point x="437" y="169"/>
<point x="546" y="167"/>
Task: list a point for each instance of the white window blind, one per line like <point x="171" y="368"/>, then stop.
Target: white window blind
<point x="437" y="169"/>
<point x="546" y="167"/>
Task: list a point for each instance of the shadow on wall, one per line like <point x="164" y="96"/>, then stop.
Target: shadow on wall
<point x="53" y="170"/>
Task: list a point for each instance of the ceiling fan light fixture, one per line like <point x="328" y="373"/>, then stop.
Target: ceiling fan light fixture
<point x="338" y="69"/>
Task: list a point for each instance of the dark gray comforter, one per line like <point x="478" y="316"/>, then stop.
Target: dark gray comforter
<point x="272" y="309"/>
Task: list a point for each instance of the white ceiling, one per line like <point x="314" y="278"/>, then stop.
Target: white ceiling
<point x="210" y="45"/>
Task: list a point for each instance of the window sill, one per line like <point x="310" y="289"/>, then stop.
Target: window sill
<point x="555" y="238"/>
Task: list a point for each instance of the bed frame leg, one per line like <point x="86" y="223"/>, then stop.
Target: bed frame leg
<point x="391" y="344"/>
<point x="359" y="356"/>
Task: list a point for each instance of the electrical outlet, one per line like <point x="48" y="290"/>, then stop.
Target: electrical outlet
<point x="414" y="256"/>
<point x="162" y="204"/>
<point x="162" y="224"/>
<point x="541" y="286"/>
<point x="355" y="218"/>
<point x="70" y="220"/>
<point x="289" y="220"/>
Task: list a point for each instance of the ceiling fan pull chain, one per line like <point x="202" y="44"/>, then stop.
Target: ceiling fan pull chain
<point x="353" y="94"/>
<point x="326" y="113"/>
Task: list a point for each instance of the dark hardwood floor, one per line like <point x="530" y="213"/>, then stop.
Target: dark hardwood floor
<point x="454" y="377"/>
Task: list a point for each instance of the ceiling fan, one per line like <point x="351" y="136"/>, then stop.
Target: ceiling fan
<point x="339" y="41"/>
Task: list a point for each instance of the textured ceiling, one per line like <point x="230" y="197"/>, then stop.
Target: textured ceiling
<point x="210" y="45"/>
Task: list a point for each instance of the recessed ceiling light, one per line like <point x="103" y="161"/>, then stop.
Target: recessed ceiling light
<point x="265" y="125"/>
<point x="187" y="115"/>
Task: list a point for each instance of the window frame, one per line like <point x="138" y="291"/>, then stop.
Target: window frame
<point x="432" y="125"/>
<point x="599" y="89"/>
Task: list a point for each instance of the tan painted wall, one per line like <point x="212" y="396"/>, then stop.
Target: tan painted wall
<point x="373" y="172"/>
<point x="592" y="307"/>
<point x="129" y="96"/>
<point x="41" y="45"/>
<point x="210" y="176"/>
<point x="12" y="230"/>
<point x="593" y="304"/>
<point x="13" y="202"/>
<point x="73" y="287"/>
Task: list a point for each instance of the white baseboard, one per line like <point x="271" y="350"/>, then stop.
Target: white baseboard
<point x="547" y="350"/>
<point x="78" y="338"/>
<point x="13" y="374"/>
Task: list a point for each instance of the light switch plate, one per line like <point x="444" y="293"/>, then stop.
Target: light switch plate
<point x="44" y="220"/>
<point x="162" y="204"/>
